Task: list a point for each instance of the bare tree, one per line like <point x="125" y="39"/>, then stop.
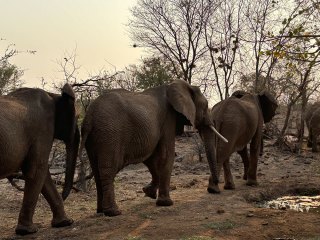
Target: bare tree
<point x="175" y="30"/>
<point x="222" y="32"/>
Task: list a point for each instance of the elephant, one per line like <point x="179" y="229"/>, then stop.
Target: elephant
<point x="240" y="119"/>
<point x="312" y="119"/>
<point x="30" y="119"/>
<point x="122" y="128"/>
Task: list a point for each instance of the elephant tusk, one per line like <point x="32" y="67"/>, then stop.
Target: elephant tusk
<point x="218" y="134"/>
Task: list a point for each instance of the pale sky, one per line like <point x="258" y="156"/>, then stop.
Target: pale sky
<point x="96" y="28"/>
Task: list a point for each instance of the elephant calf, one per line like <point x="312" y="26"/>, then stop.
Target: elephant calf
<point x="240" y="119"/>
<point x="29" y="121"/>
<point x="312" y="119"/>
<point x="122" y="128"/>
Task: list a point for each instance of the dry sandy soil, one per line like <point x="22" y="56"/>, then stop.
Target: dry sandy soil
<point x="196" y="214"/>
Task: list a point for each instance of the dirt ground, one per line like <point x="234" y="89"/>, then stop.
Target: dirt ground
<point x="196" y="214"/>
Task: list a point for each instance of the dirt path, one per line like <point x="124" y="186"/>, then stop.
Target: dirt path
<point x="195" y="214"/>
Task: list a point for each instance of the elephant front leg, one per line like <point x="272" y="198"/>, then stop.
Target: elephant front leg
<point x="165" y="169"/>
<point x="164" y="188"/>
<point x="213" y="186"/>
<point x="253" y="164"/>
<point x="55" y="201"/>
<point x="229" y="184"/>
<point x="32" y="188"/>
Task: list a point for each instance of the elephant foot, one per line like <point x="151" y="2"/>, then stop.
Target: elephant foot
<point x="213" y="189"/>
<point x="61" y="223"/>
<point x="252" y="182"/>
<point x="164" y="202"/>
<point x="150" y="191"/>
<point x="24" y="230"/>
<point x="229" y="186"/>
<point x="112" y="212"/>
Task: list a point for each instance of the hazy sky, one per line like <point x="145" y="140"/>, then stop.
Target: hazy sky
<point x="96" y="28"/>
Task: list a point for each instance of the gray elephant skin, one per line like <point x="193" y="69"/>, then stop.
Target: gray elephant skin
<point x="122" y="128"/>
<point x="312" y="119"/>
<point x="30" y="119"/>
<point x="240" y="119"/>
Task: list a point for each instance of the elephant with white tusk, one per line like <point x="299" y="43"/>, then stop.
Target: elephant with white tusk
<point x="122" y="128"/>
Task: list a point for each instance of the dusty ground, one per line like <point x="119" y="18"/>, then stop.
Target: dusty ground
<point x="195" y="214"/>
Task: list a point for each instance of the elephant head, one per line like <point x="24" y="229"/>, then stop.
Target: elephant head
<point x="268" y="105"/>
<point x="66" y="129"/>
<point x="190" y="102"/>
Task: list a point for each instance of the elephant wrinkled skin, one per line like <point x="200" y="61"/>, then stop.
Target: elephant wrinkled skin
<point x="30" y="119"/>
<point x="122" y="128"/>
<point x="312" y="119"/>
<point x="240" y="119"/>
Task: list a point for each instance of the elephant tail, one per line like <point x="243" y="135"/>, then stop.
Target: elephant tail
<point x="85" y="130"/>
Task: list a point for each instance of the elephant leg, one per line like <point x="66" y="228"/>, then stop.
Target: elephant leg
<point x="314" y="142"/>
<point x="109" y="206"/>
<point x="213" y="187"/>
<point x="151" y="189"/>
<point x="165" y="163"/>
<point x="108" y="168"/>
<point x="55" y="201"/>
<point x="95" y="170"/>
<point x="261" y="147"/>
<point x="32" y="189"/>
<point x="309" y="143"/>
<point x="253" y="163"/>
<point x="229" y="184"/>
<point x="245" y="159"/>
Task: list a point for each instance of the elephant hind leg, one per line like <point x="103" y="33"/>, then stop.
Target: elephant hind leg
<point x="151" y="189"/>
<point x="108" y="168"/>
<point x="253" y="163"/>
<point x="94" y="166"/>
<point x="55" y="201"/>
<point x="245" y="159"/>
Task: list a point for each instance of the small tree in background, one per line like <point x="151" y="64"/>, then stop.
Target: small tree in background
<point x="10" y="74"/>
<point x="154" y="72"/>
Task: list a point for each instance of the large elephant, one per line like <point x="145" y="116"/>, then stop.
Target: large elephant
<point x="312" y="119"/>
<point x="240" y="119"/>
<point x="30" y="119"/>
<point x="122" y="128"/>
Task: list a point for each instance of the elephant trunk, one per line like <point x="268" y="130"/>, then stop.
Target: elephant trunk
<point x="72" y="153"/>
<point x="209" y="139"/>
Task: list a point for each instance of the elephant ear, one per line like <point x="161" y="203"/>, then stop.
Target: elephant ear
<point x="65" y="114"/>
<point x="179" y="95"/>
<point x="268" y="105"/>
